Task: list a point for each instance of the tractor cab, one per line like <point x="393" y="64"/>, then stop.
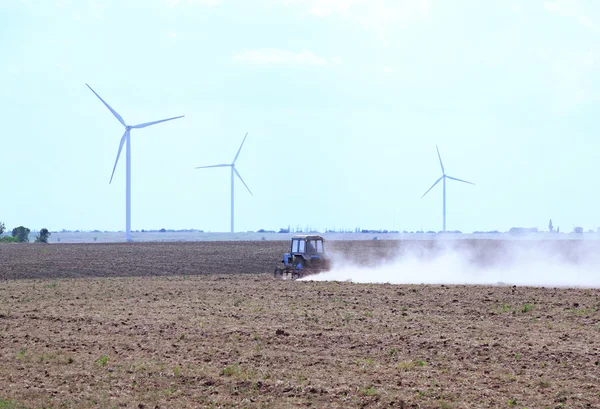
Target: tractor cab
<point x="307" y="245"/>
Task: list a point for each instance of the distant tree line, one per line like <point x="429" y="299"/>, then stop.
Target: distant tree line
<point x="21" y="235"/>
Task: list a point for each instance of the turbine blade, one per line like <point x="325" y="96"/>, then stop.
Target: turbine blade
<point x="213" y="166"/>
<point x="460" y="180"/>
<point x="238" y="175"/>
<point x="239" y="150"/>
<point x="109" y="108"/>
<point x="155" y="122"/>
<point x="125" y="136"/>
<point x="432" y="186"/>
<point x="440" y="158"/>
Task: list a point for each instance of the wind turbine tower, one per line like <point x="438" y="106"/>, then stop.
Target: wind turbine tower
<point x="126" y="139"/>
<point x="443" y="179"/>
<point x="233" y="171"/>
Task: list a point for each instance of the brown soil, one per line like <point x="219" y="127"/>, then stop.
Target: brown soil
<point x="239" y="340"/>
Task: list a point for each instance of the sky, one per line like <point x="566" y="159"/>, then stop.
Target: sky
<point x="344" y="102"/>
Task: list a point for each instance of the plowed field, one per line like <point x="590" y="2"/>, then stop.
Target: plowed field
<point x="176" y="326"/>
<point x="247" y="257"/>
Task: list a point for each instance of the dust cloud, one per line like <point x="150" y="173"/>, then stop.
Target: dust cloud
<point x="542" y="264"/>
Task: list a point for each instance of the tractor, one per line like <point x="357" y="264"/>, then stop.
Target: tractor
<point x="307" y="256"/>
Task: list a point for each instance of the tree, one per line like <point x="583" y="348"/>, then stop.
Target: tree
<point x="43" y="237"/>
<point x="21" y="234"/>
<point x="2" y="227"/>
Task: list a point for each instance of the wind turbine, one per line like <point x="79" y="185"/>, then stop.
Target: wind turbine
<point x="233" y="171"/>
<point x="444" y="177"/>
<point x="126" y="139"/>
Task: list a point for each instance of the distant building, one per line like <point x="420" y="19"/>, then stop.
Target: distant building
<point x="523" y="230"/>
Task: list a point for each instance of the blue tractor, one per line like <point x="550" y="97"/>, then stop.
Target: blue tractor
<point x="307" y="256"/>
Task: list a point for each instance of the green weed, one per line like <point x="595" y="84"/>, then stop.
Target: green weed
<point x="504" y="307"/>
<point x="102" y="361"/>
<point x="20" y="355"/>
<point x="365" y="363"/>
<point x="406" y="365"/>
<point x="526" y="308"/>
<point x="10" y="404"/>
<point x="231" y="370"/>
<point x="370" y="391"/>
<point x="579" y="311"/>
<point x="347" y="317"/>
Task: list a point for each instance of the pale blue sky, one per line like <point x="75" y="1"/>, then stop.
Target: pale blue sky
<point x="344" y="102"/>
